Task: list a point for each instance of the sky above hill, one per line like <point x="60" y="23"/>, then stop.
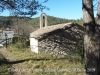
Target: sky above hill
<point x="69" y="9"/>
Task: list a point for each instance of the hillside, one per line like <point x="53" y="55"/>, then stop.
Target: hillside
<point x="52" y="21"/>
<point x="24" y="25"/>
<point x="10" y="21"/>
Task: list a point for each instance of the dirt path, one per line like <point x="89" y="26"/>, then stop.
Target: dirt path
<point x="14" y="61"/>
<point x="7" y="55"/>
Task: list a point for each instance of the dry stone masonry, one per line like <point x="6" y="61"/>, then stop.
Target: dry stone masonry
<point x="57" y="39"/>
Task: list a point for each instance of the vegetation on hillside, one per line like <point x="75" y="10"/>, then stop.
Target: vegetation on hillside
<point x="23" y="26"/>
<point x="10" y="21"/>
<point x="52" y="21"/>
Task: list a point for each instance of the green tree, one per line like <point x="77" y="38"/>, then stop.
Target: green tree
<point x="91" y="38"/>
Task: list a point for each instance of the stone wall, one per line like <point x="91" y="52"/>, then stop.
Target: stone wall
<point x="60" y="42"/>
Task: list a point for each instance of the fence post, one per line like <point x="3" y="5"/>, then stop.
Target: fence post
<point x="6" y="39"/>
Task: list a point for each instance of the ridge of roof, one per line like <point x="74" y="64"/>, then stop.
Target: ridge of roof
<point x="45" y="30"/>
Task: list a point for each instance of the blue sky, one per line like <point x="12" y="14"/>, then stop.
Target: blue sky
<point x="69" y="9"/>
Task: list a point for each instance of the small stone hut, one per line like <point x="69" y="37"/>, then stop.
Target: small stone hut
<point x="56" y="39"/>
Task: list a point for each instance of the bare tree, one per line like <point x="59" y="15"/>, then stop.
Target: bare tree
<point x="91" y="38"/>
<point x="22" y="7"/>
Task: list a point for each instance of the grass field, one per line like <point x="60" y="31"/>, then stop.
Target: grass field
<point x="4" y="66"/>
<point x="43" y="64"/>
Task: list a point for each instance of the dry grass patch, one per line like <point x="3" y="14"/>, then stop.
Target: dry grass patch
<point x="43" y="64"/>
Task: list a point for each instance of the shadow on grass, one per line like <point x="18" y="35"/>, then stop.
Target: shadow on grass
<point x="35" y="59"/>
<point x="21" y="61"/>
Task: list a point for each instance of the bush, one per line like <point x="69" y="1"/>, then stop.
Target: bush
<point x="79" y="51"/>
<point x="27" y="42"/>
<point x="19" y="42"/>
<point x="14" y="40"/>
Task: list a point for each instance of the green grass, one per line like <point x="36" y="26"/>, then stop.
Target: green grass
<point x="44" y="64"/>
<point x="4" y="66"/>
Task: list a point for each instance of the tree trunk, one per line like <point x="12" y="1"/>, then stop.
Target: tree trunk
<point x="98" y="14"/>
<point x="91" y="39"/>
<point x="97" y="35"/>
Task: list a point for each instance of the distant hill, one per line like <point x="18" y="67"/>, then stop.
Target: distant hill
<point x="9" y="21"/>
<point x="52" y="21"/>
<point x="23" y="26"/>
